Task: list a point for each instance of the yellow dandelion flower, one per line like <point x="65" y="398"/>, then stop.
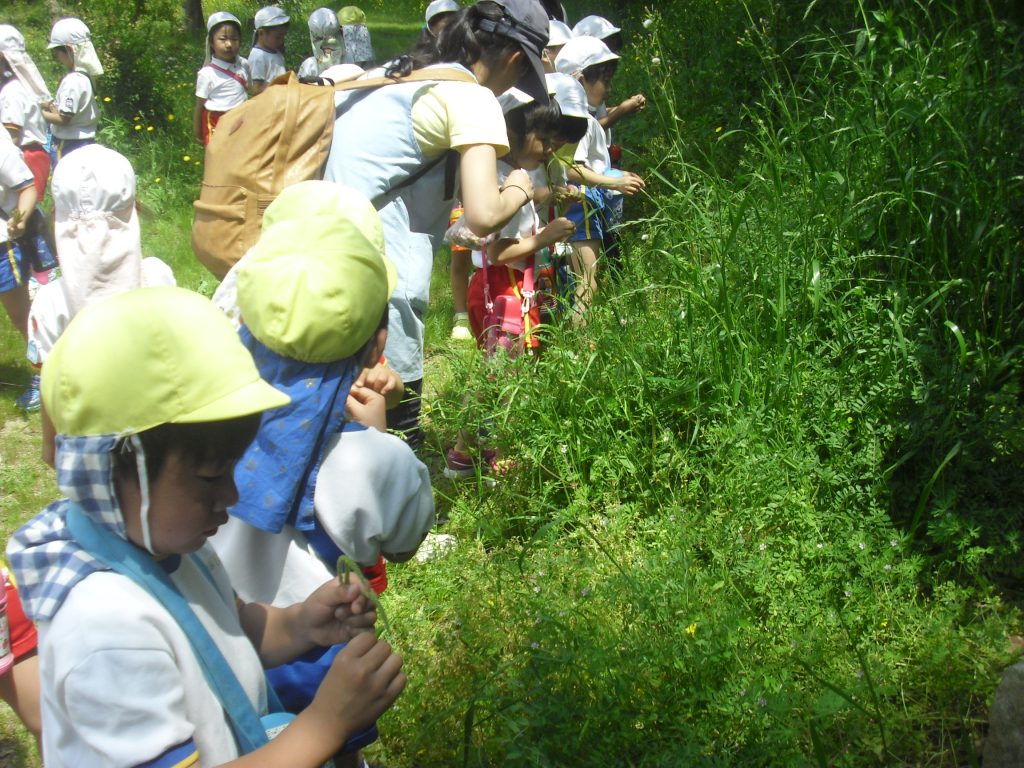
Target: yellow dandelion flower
<point x="138" y="127"/>
<point x="186" y="158"/>
<point x="136" y="118"/>
<point x="157" y="179"/>
<point x="106" y="99"/>
<point x="170" y="117"/>
<point x="691" y="630"/>
<point x="718" y="129"/>
<point x="197" y="162"/>
<point x="149" y="128"/>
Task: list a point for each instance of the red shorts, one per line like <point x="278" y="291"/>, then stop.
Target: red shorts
<point x="21" y="631"/>
<point x="38" y="161"/>
<point x="208" y="123"/>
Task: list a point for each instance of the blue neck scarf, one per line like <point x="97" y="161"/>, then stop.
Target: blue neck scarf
<point x="276" y="476"/>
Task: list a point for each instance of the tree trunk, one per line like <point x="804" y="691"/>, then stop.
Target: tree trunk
<point x="194" y="14"/>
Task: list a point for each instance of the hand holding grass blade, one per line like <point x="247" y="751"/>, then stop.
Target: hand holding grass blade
<point x="346" y="566"/>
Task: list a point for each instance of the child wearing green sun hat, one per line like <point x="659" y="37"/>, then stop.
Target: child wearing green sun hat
<point x="322" y="478"/>
<point x="147" y="657"/>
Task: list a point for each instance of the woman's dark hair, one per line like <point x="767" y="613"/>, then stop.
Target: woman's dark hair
<point x="603" y="71"/>
<point x="554" y="10"/>
<point x="202" y="441"/>
<point x="461" y="42"/>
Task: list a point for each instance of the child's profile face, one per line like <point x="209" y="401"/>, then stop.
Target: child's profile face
<point x="63" y="57"/>
<point x="597" y="90"/>
<point x="225" y="42"/>
<point x="272" y="38"/>
<point x="536" y="150"/>
<point x="188" y="501"/>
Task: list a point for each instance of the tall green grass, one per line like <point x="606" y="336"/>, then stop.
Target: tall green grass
<point x="763" y="510"/>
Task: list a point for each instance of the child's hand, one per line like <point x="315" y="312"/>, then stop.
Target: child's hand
<point x="569" y="194"/>
<point x="558" y="230"/>
<point x="384" y="381"/>
<point x="367" y="407"/>
<point x="16" y="225"/>
<point x="364" y="680"/>
<point x="336" y="613"/>
<point x="635" y="103"/>
<point x="628" y="184"/>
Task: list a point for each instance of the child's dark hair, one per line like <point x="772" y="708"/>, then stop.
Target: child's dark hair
<point x="225" y="23"/>
<point x="603" y="71"/>
<point x="544" y="120"/>
<point x="364" y="350"/>
<point x="461" y="41"/>
<point x="614" y="41"/>
<point x="202" y="441"/>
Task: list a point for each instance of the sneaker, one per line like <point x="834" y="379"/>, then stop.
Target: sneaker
<point x="461" y="330"/>
<point x="458" y="465"/>
<point x="29" y="401"/>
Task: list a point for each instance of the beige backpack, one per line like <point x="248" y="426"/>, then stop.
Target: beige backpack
<point x="279" y="138"/>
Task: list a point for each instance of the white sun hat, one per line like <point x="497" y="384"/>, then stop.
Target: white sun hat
<point x="595" y="26"/>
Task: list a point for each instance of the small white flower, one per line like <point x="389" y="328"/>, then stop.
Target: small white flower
<point x="535" y="645"/>
<point x="820" y="545"/>
<point x="623" y="322"/>
<point x="536" y="590"/>
<point x="888" y="566"/>
<point x="763" y="547"/>
<point x="655" y="60"/>
<point x="648" y="22"/>
<point x="893" y="543"/>
<point x="563" y="448"/>
<point x="861" y="545"/>
<point x="645" y="236"/>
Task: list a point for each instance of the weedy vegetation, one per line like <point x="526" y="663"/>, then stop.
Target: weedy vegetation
<point x="765" y="508"/>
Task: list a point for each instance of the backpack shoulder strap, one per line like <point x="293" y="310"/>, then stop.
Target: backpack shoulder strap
<point x="438" y="74"/>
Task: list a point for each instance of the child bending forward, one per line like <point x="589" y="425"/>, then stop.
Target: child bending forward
<point x="147" y="658"/>
<point x="502" y="311"/>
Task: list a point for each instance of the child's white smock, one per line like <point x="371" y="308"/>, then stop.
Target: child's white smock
<point x="265" y="65"/>
<point x="372" y="495"/>
<point x="18" y="108"/>
<point x="75" y="99"/>
<point x="120" y="683"/>
<point x="380" y="139"/>
<point x="220" y="90"/>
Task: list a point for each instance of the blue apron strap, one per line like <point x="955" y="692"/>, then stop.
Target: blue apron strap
<point x="125" y="558"/>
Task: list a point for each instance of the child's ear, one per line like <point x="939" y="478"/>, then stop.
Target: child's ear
<point x="375" y="348"/>
<point x="515" y="59"/>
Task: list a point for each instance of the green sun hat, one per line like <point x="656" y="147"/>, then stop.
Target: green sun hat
<point x="351" y="14"/>
<point x="316" y="284"/>
<point x="147" y="357"/>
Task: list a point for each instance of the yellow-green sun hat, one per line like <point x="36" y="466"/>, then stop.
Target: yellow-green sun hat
<point x="147" y="357"/>
<point x="316" y="284"/>
<point x="351" y="14"/>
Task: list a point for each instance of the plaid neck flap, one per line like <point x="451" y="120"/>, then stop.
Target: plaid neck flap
<point x="46" y="561"/>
